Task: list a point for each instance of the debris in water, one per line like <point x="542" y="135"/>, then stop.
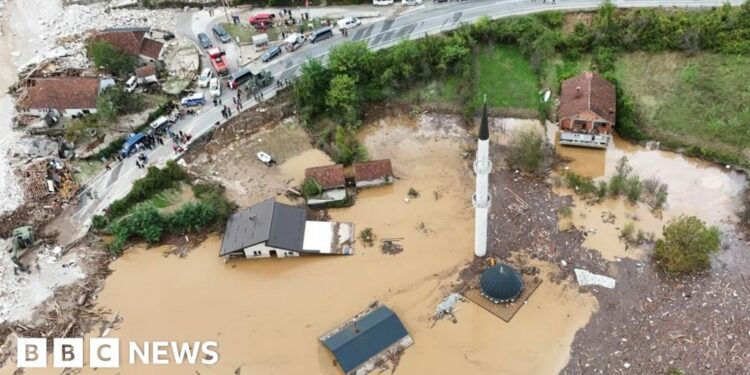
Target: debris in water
<point x="389" y="246"/>
<point x="367" y="236"/>
<point x="413" y="193"/>
<point x="587" y="278"/>
<point x="445" y="307"/>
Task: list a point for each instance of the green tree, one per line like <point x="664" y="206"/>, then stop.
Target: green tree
<point x="79" y="128"/>
<point x="105" y="55"/>
<point x="353" y="59"/>
<point x="687" y="245"/>
<point x="114" y="101"/>
<point x="347" y="149"/>
<point x="342" y="99"/>
<point x="525" y="149"/>
<point x="313" y="81"/>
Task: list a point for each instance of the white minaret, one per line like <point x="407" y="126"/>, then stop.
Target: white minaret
<point x="481" y="198"/>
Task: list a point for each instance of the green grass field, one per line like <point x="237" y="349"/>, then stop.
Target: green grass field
<point x="699" y="101"/>
<point x="507" y="79"/>
<point x="503" y="73"/>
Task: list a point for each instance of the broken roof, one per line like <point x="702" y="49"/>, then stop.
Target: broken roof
<point x="62" y="93"/>
<point x="587" y="91"/>
<point x="277" y="224"/>
<point x="145" y="71"/>
<point x="365" y="337"/>
<point x="131" y="41"/>
<point x="372" y="170"/>
<point x="329" y="177"/>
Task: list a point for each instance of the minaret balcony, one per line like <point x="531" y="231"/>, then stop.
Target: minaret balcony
<point x="482" y="168"/>
<point x="477" y="204"/>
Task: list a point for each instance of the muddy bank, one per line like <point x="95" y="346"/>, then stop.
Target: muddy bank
<point x="652" y="322"/>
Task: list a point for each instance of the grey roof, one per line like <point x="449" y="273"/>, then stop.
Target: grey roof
<point x="277" y="224"/>
<point x="501" y="283"/>
<point x="374" y="333"/>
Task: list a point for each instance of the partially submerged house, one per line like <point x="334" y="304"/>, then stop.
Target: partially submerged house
<point x="70" y="96"/>
<point x="586" y="114"/>
<point x="373" y="173"/>
<point x="133" y="41"/>
<point x="332" y="182"/>
<point x="366" y="340"/>
<point x="272" y="229"/>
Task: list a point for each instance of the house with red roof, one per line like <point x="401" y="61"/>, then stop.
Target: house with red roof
<point x="373" y="173"/>
<point x="332" y="182"/>
<point x="71" y="96"/>
<point x="586" y="114"/>
<point x="133" y="41"/>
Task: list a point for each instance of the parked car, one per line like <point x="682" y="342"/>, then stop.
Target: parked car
<point x="261" y="18"/>
<point x="205" y="76"/>
<point x="214" y="88"/>
<point x="239" y="78"/>
<point x="294" y="41"/>
<point x="205" y="41"/>
<point x="193" y="100"/>
<point x="349" y="22"/>
<point x="272" y="52"/>
<point x="411" y="2"/>
<point x="382" y="2"/>
<point x="221" y="34"/>
<point x="131" y="84"/>
<point x="321" y="34"/>
<point x="160" y="122"/>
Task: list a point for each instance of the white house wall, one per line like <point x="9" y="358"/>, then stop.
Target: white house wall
<point x="69" y="113"/>
<point x="262" y="251"/>
<point x="375" y="182"/>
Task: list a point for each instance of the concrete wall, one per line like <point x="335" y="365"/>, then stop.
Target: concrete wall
<point x="263" y="251"/>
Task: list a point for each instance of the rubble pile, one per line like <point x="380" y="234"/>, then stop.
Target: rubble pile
<point x="66" y="29"/>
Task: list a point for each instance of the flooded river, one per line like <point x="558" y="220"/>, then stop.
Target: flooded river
<point x="267" y="314"/>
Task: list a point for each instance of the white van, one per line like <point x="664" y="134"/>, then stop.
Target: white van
<point x="411" y="2"/>
<point x="348" y="23"/>
<point x="131" y="84"/>
<point x="382" y="2"/>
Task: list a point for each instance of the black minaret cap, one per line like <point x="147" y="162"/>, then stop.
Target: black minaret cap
<point x="484" y="129"/>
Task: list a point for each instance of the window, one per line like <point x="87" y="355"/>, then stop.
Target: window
<point x="256" y="253"/>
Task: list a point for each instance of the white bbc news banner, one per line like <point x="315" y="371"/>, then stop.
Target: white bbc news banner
<point x="105" y="353"/>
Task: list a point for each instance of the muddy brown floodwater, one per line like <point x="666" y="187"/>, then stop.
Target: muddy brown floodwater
<point x="267" y="314"/>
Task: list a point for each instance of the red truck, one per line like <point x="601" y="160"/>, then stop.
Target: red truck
<point x="217" y="61"/>
<point x="261" y="19"/>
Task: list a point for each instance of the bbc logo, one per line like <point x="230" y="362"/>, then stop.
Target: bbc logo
<point x="103" y="352"/>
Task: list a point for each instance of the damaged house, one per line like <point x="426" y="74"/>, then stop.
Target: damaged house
<point x="70" y="96"/>
<point x="133" y="41"/>
<point x="587" y="111"/>
<point x="332" y="182"/>
<point x="272" y="229"/>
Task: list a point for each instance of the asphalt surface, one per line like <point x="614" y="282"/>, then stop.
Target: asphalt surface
<point x="411" y="24"/>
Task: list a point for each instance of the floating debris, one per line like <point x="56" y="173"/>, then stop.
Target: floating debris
<point x="587" y="278"/>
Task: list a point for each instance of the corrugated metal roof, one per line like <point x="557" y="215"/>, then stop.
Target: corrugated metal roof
<point x="374" y="333"/>
<point x="277" y="224"/>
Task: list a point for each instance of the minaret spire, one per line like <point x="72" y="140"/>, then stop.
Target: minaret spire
<point x="481" y="198"/>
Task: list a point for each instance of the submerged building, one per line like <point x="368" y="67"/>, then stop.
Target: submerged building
<point x="501" y="283"/>
<point x="272" y="229"/>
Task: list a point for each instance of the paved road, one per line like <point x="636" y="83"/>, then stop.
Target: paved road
<point x="412" y="24"/>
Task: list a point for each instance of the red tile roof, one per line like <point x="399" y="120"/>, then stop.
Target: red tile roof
<point x="125" y="41"/>
<point x="372" y="170"/>
<point x="132" y="42"/>
<point x="145" y="71"/>
<point x="151" y="48"/>
<point x="587" y="91"/>
<point x="329" y="177"/>
<point x="62" y="93"/>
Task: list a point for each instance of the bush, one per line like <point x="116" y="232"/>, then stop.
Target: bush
<point x="601" y="190"/>
<point x="367" y="236"/>
<point x="687" y="245"/>
<point x="311" y="187"/>
<point x="525" y="150"/>
<point x="565" y="211"/>
<point x="99" y="221"/>
<point x="584" y="186"/>
<point x="155" y="181"/>
<point x="633" y="188"/>
<point x="628" y="232"/>
<point x="346" y="147"/>
<point x="192" y="217"/>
